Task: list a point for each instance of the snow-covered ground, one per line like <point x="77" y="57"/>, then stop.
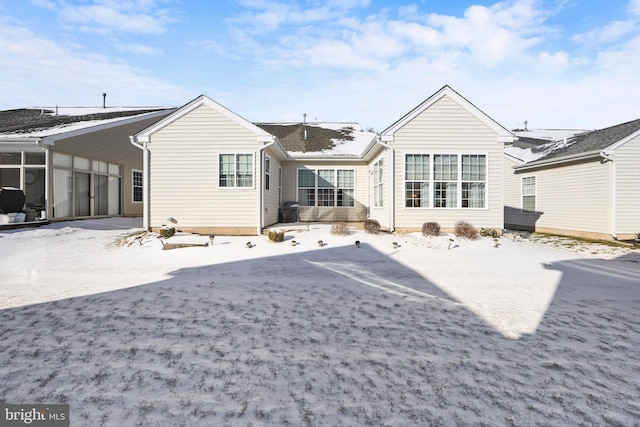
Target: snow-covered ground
<point x="419" y="334"/>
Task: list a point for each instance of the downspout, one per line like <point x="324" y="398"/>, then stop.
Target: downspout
<point x="607" y="155"/>
<point x="259" y="186"/>
<point x="392" y="191"/>
<point x="146" y="212"/>
<point x="48" y="177"/>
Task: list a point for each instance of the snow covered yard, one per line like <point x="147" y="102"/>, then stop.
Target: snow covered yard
<point x="522" y="334"/>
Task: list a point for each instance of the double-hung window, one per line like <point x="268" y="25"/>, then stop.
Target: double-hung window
<point x="416" y="180"/>
<point x="378" y="180"/>
<point x="236" y="170"/>
<point x="445" y="180"/>
<point x="474" y="177"/>
<point x="136" y="185"/>
<point x="326" y="187"/>
<point x="529" y="194"/>
<point x="267" y="172"/>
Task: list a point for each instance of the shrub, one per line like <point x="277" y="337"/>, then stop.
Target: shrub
<point x="166" y="232"/>
<point x="276" y="235"/>
<point x="430" y="229"/>
<point x="465" y="230"/>
<point x="340" y="229"/>
<point x="371" y="226"/>
<point x="489" y="232"/>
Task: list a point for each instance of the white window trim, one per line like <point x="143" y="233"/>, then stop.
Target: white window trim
<point x="381" y="184"/>
<point x="267" y="172"/>
<point x="459" y="179"/>
<point x="535" y="195"/>
<point x="335" y="169"/>
<point x="253" y="171"/>
<point x="133" y="171"/>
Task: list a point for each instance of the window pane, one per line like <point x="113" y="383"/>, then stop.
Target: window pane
<point x="227" y="170"/>
<point x="445" y="167"/>
<point x="473" y="194"/>
<point x="80" y="163"/>
<point x="326" y="196"/>
<point x="306" y="178"/>
<point x="34" y="158"/>
<point x="326" y="178"/>
<point x="62" y="160"/>
<point x="417" y="167"/>
<point x="10" y="177"/>
<point x="473" y="167"/>
<point x="417" y="194"/>
<point x="346" y="178"/>
<point x="114" y="169"/>
<point x="345" y="197"/>
<point x="306" y="197"/>
<point x="10" y="158"/>
<point x="445" y="194"/>
<point x="529" y="203"/>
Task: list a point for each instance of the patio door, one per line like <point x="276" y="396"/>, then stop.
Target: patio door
<point x="82" y="194"/>
<point x="100" y="195"/>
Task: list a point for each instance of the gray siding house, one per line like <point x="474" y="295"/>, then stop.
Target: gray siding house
<point x="215" y="172"/>
<point x="585" y="185"/>
<point x="75" y="162"/>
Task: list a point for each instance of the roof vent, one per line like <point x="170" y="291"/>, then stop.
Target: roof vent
<point x="104" y="100"/>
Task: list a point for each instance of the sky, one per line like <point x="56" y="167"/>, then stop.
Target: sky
<point x="552" y="63"/>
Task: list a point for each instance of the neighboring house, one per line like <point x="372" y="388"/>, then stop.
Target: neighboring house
<point x="75" y="162"/>
<point x="215" y="172"/>
<point x="583" y="185"/>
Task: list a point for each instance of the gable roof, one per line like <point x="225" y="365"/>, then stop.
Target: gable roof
<point x="261" y="134"/>
<point x="320" y="139"/>
<point x="582" y="145"/>
<point x="504" y="135"/>
<point x="62" y="122"/>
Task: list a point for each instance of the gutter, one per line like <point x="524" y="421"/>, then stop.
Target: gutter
<point x="608" y="155"/>
<point x="392" y="189"/>
<point x="559" y="161"/>
<point x="146" y="211"/>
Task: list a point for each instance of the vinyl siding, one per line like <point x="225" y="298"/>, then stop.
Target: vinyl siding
<point x="574" y="198"/>
<point x="184" y="173"/>
<point x="627" y="172"/>
<point x="381" y="214"/>
<point x="112" y="146"/>
<point x="448" y="128"/>
<point x="513" y="215"/>
<point x="329" y="214"/>
<point x="271" y="197"/>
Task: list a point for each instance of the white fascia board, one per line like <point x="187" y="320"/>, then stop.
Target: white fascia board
<point x="559" y="160"/>
<point x="504" y="135"/>
<point x="515" y="159"/>
<point x="261" y="134"/>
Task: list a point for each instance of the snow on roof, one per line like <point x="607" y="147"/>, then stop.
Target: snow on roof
<point x="535" y="144"/>
<point x="44" y="122"/>
<point x="324" y="139"/>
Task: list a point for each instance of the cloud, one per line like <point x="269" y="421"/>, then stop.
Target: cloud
<point x="105" y="16"/>
<point x="46" y="73"/>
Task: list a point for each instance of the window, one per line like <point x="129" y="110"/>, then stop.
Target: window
<point x="236" y="170"/>
<point x="529" y="194"/>
<point x="326" y="187"/>
<point x="445" y="180"/>
<point x="473" y="180"/>
<point x="136" y="185"/>
<point x="416" y="180"/>
<point x="267" y="172"/>
<point x="378" y="188"/>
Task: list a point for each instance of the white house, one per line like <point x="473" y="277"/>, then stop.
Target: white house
<point x="215" y="172"/>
